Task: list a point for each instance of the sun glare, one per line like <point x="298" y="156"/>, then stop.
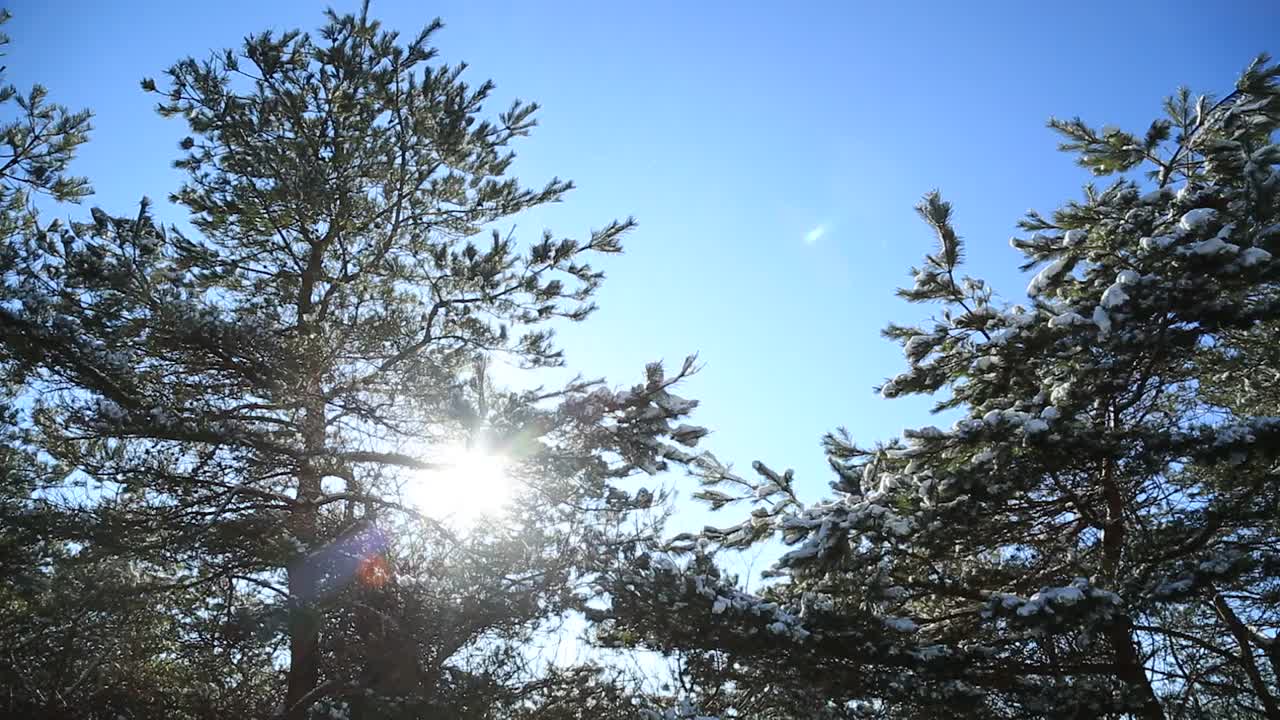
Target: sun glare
<point x="468" y="484"/>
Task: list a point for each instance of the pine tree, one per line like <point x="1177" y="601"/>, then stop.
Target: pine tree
<point x="1096" y="535"/>
<point x="246" y="403"/>
<point x="70" y="640"/>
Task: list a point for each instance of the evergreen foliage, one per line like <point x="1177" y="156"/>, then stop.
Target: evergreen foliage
<point x="230" y="420"/>
<point x="219" y="444"/>
<point x="1096" y="535"/>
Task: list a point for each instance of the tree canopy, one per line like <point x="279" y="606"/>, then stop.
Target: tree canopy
<point x="227" y="441"/>
<point x="1095" y="535"/>
<point x="233" y="420"/>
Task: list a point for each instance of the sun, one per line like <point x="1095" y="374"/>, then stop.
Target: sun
<point x="467" y="484"/>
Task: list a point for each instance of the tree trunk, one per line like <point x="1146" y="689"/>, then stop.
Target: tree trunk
<point x="304" y="641"/>
<point x="304" y="619"/>
<point x="1273" y="657"/>
<point x="1247" y="661"/>
<point x="1130" y="669"/>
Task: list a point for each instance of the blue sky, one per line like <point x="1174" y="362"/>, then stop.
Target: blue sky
<point x="772" y="153"/>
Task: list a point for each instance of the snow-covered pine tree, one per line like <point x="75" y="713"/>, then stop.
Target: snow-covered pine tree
<point x="245" y="402"/>
<point x="1096" y="535"/>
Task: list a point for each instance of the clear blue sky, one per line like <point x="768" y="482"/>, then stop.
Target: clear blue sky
<point x="733" y="131"/>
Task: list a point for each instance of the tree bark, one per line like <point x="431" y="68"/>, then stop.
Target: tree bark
<point x="304" y="641"/>
<point x="304" y="620"/>
<point x="1130" y="670"/>
<point x="1129" y="666"/>
<point x="1247" y="661"/>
